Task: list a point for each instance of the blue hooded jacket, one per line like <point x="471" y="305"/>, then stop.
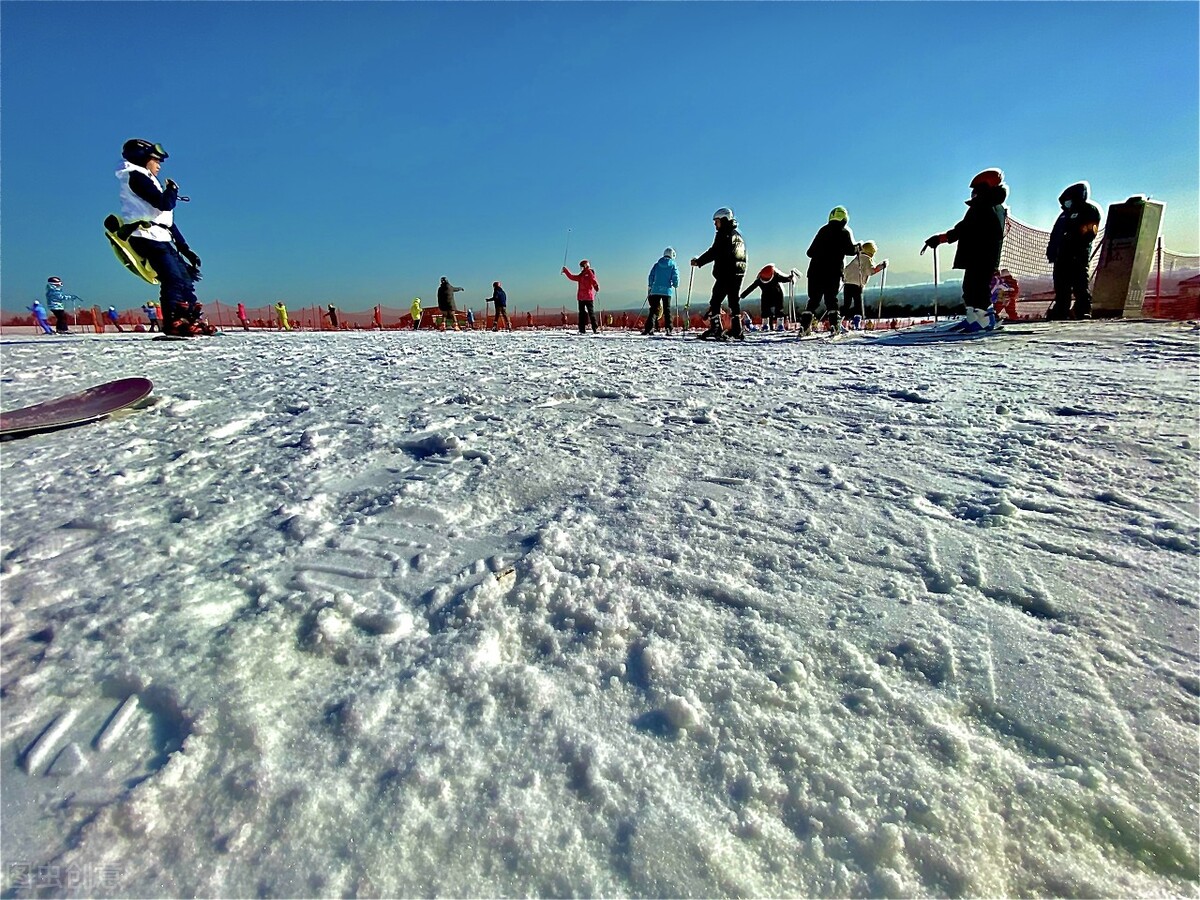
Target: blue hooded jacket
<point x="664" y="277"/>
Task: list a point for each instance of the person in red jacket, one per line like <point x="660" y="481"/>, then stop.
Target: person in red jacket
<point x="586" y="295"/>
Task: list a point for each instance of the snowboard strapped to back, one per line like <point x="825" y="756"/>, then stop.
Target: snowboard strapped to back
<point x="118" y="231"/>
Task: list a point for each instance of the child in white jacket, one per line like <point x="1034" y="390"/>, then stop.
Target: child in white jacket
<point x="855" y="277"/>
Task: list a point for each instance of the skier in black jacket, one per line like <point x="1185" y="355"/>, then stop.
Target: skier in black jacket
<point x="1070" y="249"/>
<point x="728" y="256"/>
<point x="980" y="237"/>
<point x="770" y="282"/>
<point x="833" y="243"/>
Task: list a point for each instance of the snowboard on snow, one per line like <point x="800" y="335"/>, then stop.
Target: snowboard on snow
<point x="76" y="409"/>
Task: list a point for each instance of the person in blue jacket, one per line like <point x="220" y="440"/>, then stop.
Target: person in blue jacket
<point x="157" y="239"/>
<point x="39" y="313"/>
<point x="56" y="299"/>
<point x="663" y="279"/>
<point x="500" y="299"/>
<point x="151" y="312"/>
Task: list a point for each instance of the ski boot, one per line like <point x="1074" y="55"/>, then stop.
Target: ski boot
<point x="714" y="332"/>
<point x="806" y="323"/>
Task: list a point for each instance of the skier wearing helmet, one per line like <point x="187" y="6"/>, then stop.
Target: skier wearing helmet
<point x="856" y="275"/>
<point x="148" y="205"/>
<point x="728" y="256"/>
<point x="1070" y="249"/>
<point x="832" y="244"/>
<point x="980" y="237"/>
<point x="770" y="282"/>
<point x="57" y="300"/>
<point x="663" y="279"/>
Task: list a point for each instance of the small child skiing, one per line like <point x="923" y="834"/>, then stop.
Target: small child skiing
<point x="728" y="256"/>
<point x="855" y="277"/>
<point x="151" y="313"/>
<point x="112" y="316"/>
<point x="39" y="313"/>
<point x="663" y="280"/>
<point x="1005" y="291"/>
<point x="980" y="237"/>
<point x="57" y="299"/>
<point x="770" y="282"/>
<point x="832" y="244"/>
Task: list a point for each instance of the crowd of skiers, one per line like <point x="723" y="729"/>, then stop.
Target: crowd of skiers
<point x="150" y="242"/>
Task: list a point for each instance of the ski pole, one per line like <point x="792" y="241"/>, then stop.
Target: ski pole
<point x="882" y="282"/>
<point x="566" y="248"/>
<point x="935" y="285"/>
<point x="687" y="304"/>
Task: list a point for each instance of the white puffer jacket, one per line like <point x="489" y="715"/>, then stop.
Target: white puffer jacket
<point x="135" y="209"/>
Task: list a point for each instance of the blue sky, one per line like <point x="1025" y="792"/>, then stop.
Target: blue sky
<point x="355" y="152"/>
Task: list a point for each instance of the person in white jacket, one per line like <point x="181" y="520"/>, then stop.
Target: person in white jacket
<point x="855" y="277"/>
<point x="146" y="203"/>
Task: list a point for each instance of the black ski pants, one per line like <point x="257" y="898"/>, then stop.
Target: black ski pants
<point x="1071" y="277"/>
<point x="727" y="288"/>
<point x="852" y="305"/>
<point x="823" y="291"/>
<point x="176" y="295"/>
<point x="977" y="287"/>
<point x="660" y="304"/>
<point x="587" y="314"/>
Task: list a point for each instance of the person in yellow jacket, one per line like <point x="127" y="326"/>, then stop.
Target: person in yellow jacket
<point x="415" y="309"/>
<point x="281" y="311"/>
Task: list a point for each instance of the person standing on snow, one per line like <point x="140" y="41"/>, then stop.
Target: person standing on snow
<point x="331" y="314"/>
<point x="585" y="295"/>
<point x="770" y="282"/>
<point x="39" y="313"/>
<point x="856" y="275"/>
<point x="728" y="256"/>
<point x="157" y="239"/>
<point x="500" y="301"/>
<point x="663" y="280"/>
<point x="415" y="312"/>
<point x="241" y="314"/>
<point x="980" y="237"/>
<point x="111" y="315"/>
<point x="151" y="312"/>
<point x="1070" y="249"/>
<point x="832" y="244"/>
<point x="445" y="295"/>
<point x="281" y="312"/>
<point x="57" y="299"/>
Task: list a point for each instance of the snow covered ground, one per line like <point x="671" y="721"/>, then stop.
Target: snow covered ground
<point x="782" y="618"/>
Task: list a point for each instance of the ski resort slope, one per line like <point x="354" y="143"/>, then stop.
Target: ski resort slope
<point x="540" y="614"/>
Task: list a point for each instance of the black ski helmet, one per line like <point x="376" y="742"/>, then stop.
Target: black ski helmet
<point x="140" y="152"/>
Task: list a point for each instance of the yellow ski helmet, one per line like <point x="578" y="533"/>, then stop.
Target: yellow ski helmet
<point x="839" y="214"/>
<point x="869" y="248"/>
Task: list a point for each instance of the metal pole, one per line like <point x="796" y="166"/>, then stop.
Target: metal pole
<point x="566" y="248"/>
<point x="882" y="281"/>
<point x="935" y="285"/>
<point x="687" y="305"/>
<point x="1158" y="277"/>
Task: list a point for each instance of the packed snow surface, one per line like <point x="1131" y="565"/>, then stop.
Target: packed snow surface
<point x="548" y="614"/>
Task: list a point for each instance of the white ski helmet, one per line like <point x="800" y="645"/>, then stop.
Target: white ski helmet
<point x="669" y="253"/>
<point x="723" y="213"/>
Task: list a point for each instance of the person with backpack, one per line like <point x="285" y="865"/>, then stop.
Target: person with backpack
<point x="664" y="278"/>
<point x="585" y="295"/>
<point x="980" y="238"/>
<point x="728" y="256"/>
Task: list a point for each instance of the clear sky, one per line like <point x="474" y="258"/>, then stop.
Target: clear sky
<point x="354" y="152"/>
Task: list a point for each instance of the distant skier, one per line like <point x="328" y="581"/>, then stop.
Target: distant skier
<point x="415" y="312"/>
<point x="57" y="300"/>
<point x="470" y="319"/>
<point x="39" y="313"/>
<point x="500" y="303"/>
<point x="980" y="237"/>
<point x="1006" y="289"/>
<point x="585" y="295"/>
<point x="830" y="246"/>
<point x="770" y="282"/>
<point x="241" y="314"/>
<point x="151" y="313"/>
<point x="331" y="314"/>
<point x="157" y="239"/>
<point x="728" y="256"/>
<point x="855" y="277"/>
<point x="112" y="316"/>
<point x="1070" y="249"/>
<point x="663" y="280"/>
<point x="282" y="314"/>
